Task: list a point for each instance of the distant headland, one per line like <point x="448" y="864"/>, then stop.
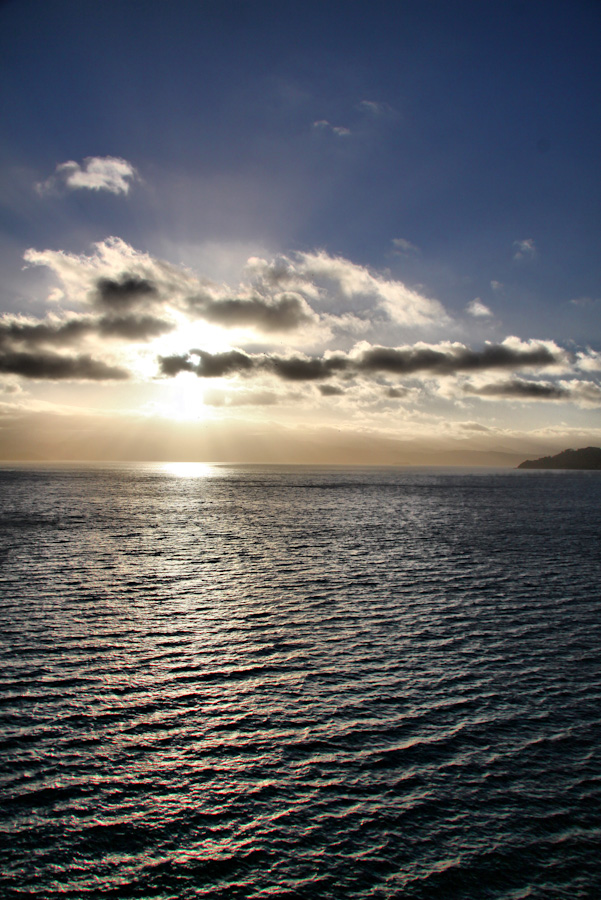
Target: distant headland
<point x="585" y="458"/>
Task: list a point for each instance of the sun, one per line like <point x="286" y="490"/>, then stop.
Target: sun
<point x="182" y="399"/>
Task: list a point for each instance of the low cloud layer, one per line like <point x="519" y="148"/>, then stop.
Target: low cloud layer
<point x="584" y="393"/>
<point x="45" y="365"/>
<point x="65" y="332"/>
<point x="521" y="390"/>
<point x="286" y="294"/>
<point x="120" y="311"/>
<point x="447" y="359"/>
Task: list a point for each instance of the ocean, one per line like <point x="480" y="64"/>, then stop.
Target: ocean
<point x="279" y="682"/>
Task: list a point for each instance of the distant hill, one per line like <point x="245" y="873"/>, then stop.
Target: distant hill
<point x="586" y="458"/>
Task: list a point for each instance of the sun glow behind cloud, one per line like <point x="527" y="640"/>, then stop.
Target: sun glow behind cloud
<point x="302" y="339"/>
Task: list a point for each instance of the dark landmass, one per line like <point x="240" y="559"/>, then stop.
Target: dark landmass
<point x="585" y="458"/>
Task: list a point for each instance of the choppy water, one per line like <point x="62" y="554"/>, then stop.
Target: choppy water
<point x="285" y="683"/>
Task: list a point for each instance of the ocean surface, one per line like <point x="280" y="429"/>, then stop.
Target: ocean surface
<point x="247" y="682"/>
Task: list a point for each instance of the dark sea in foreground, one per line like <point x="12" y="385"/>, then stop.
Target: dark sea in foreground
<point x="246" y="682"/>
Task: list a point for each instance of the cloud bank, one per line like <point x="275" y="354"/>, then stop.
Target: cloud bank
<point x="122" y="312"/>
<point x="444" y="359"/>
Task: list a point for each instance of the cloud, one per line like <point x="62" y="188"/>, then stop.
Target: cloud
<point x="477" y="308"/>
<point x="240" y="398"/>
<point x="306" y="292"/>
<point x="120" y="294"/>
<point x="473" y="426"/>
<point x="127" y="292"/>
<point x="216" y="365"/>
<point x="286" y="312"/>
<point x="521" y="390"/>
<point x="395" y="393"/>
<point x="496" y="285"/>
<point x="343" y="280"/>
<point x="114" y="275"/>
<point x="449" y="359"/>
<point x="44" y="365"/>
<point x="443" y="359"/>
<point x="375" y="108"/>
<point x="132" y="328"/>
<point x="338" y="130"/>
<point x="330" y="390"/>
<point x="64" y="332"/>
<point x="526" y="249"/>
<point x="296" y="368"/>
<point x="210" y="365"/>
<point x="583" y="393"/>
<point x="584" y="301"/>
<point x="589" y="360"/>
<point x="403" y="247"/>
<point x="98" y="173"/>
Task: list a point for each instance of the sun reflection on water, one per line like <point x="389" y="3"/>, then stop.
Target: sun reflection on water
<point x="189" y="469"/>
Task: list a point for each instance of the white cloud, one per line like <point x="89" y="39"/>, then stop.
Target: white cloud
<point x="300" y="293"/>
<point x="478" y="309"/>
<point x="98" y="173"/>
<point x="324" y="125"/>
<point x="404" y="247"/>
<point x="589" y="360"/>
<point x="111" y="258"/>
<point x="525" y="249"/>
<point x="135" y="307"/>
<point x="584" y="301"/>
<point x="375" y="108"/>
<point x="496" y="285"/>
<point x="583" y="393"/>
<point x="349" y="281"/>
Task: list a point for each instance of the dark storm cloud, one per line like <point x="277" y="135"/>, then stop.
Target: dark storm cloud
<point x="123" y="293"/>
<point x="284" y="314"/>
<point x="377" y="359"/>
<point x="54" y="367"/>
<point x="330" y="390"/>
<point x="533" y="390"/>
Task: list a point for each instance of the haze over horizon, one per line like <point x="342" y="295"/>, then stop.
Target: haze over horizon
<point x="300" y="233"/>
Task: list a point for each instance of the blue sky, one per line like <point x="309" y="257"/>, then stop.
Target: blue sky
<point x="425" y="175"/>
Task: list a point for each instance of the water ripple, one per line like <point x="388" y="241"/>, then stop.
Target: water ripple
<point x="299" y="683"/>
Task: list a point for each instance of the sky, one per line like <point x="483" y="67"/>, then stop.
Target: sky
<point x="300" y="232"/>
